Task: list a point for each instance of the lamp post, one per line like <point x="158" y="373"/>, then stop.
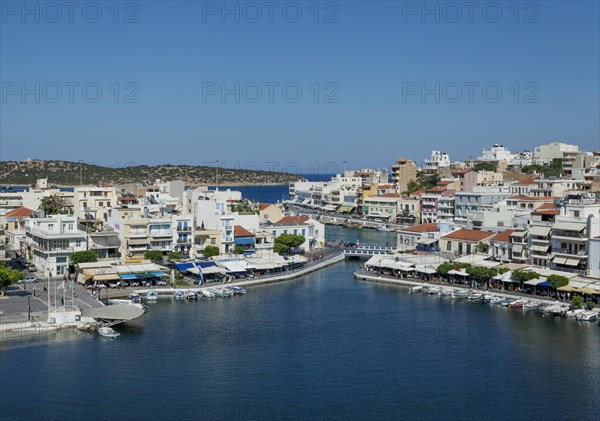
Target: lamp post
<point x="217" y="174"/>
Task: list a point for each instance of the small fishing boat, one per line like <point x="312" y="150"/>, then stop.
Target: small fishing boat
<point x="474" y="296"/>
<point x="516" y="304"/>
<point x="496" y="300"/>
<point x="178" y="295"/>
<point x="506" y="302"/>
<point x="486" y="299"/>
<point x="208" y="293"/>
<point x="417" y="288"/>
<point x="529" y="306"/>
<point x="446" y="291"/>
<point x="152" y="295"/>
<point x="108" y="332"/>
<point x="434" y="290"/>
<point x="587" y="316"/>
<point x="135" y="297"/>
<point x="190" y="295"/>
<point x="460" y="294"/>
<point x="237" y="290"/>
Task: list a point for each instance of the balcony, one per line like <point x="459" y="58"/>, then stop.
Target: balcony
<point x="161" y="234"/>
<point x="184" y="229"/>
<point x="137" y="234"/>
<point x="569" y="252"/>
<point x="184" y="241"/>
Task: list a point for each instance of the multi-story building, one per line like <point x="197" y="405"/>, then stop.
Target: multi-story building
<point x="468" y="179"/>
<point x="438" y="160"/>
<point x="496" y="153"/>
<point x="403" y="172"/>
<point x="522" y="188"/>
<point x="466" y="203"/>
<point x="14" y="222"/>
<point x="544" y="154"/>
<point x="409" y="210"/>
<point x="183" y="236"/>
<point x="463" y="242"/>
<point x="161" y="234"/>
<point x="501" y="246"/>
<point x="51" y="241"/>
<point x="313" y="231"/>
<point x="437" y="204"/>
<point x="91" y="205"/>
<point x="446" y="206"/>
<point x="384" y="207"/>
<point x="538" y="244"/>
<point x="423" y="237"/>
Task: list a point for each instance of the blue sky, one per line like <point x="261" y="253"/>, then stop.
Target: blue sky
<point x="361" y="68"/>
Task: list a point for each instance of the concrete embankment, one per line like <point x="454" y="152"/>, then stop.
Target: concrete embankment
<point x="284" y="276"/>
<point x="360" y="275"/>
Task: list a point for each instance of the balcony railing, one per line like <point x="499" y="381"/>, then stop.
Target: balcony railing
<point x="581" y="252"/>
<point x="184" y="229"/>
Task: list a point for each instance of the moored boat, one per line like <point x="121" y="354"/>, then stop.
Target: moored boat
<point x="460" y="293"/>
<point x="417" y="288"/>
<point x="486" y="299"/>
<point x="474" y="296"/>
<point x="516" y="304"/>
<point x="587" y="316"/>
<point x="496" y="300"/>
<point x="108" y="332"/>
<point x="152" y="295"/>
<point x="178" y="295"/>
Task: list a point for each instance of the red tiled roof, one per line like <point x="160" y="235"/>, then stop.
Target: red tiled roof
<point x="292" y="220"/>
<point x="444" y="182"/>
<point x="546" y="209"/>
<point x="21" y="212"/>
<point x="418" y="192"/>
<point x="263" y="206"/>
<point x="421" y="228"/>
<point x="468" y="235"/>
<point x="436" y="190"/>
<point x="385" y="187"/>
<point x="503" y="237"/>
<point x="525" y="182"/>
<point x="239" y="231"/>
<point x="390" y="195"/>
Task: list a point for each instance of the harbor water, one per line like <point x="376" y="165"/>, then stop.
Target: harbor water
<point x="324" y="346"/>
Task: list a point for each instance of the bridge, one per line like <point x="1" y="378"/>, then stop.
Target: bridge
<point x="367" y="251"/>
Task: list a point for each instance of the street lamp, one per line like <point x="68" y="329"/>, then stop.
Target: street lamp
<point x="217" y="174"/>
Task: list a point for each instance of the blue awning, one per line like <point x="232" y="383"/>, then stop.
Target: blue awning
<point x="244" y="241"/>
<point x="205" y="264"/>
<point x="128" y="276"/>
<point x="157" y="274"/>
<point x="543" y="284"/>
<point x="183" y="266"/>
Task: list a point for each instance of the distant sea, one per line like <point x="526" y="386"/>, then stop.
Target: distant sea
<point x="271" y="194"/>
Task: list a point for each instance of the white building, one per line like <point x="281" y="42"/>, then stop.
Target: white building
<point x="496" y="153"/>
<point x="544" y="154"/>
<point x="51" y="241"/>
<point x="313" y="231"/>
<point x="438" y="160"/>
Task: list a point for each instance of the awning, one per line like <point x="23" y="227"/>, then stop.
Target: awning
<point x="518" y="233"/>
<point x="107" y="277"/>
<point x="559" y="260"/>
<point x="567" y="288"/>
<point x="539" y="231"/>
<point x="329" y="207"/>
<point x="533" y="282"/>
<point x="426" y="269"/>
<point x="212" y="270"/>
<point x="128" y="276"/>
<point x="138" y="242"/>
<point x="588" y="291"/>
<point x="544" y="284"/>
<point x="156" y="274"/>
<point x="233" y="267"/>
<point x="345" y="208"/>
<point x="570" y="226"/>
<point x="427" y="241"/>
<point x="571" y="262"/>
<point x="244" y="241"/>
<point x="205" y="264"/>
<point x="181" y="267"/>
<point x="457" y="272"/>
<point x="539" y="248"/>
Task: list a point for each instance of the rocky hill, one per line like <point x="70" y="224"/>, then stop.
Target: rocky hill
<point x="65" y="173"/>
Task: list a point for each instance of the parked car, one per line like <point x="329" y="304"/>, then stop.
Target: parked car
<point x="134" y="284"/>
<point x="31" y="267"/>
<point x="161" y="283"/>
<point x="28" y="280"/>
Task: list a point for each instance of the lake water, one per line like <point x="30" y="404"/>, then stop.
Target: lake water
<point x="323" y="347"/>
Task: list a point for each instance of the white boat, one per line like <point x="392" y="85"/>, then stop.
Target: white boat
<point x="117" y="301"/>
<point x="223" y="292"/>
<point x="417" y="288"/>
<point x="108" y="332"/>
<point x="190" y="295"/>
<point x="434" y="290"/>
<point x="383" y="228"/>
<point x="237" y="290"/>
<point x="496" y="300"/>
<point x="474" y="296"/>
<point x="208" y="293"/>
<point x="587" y="316"/>
<point x="446" y="291"/>
<point x="574" y="313"/>
<point x="486" y="299"/>
<point x="178" y="295"/>
<point x="530" y="305"/>
<point x="135" y="297"/>
<point x="152" y="295"/>
<point x="460" y="294"/>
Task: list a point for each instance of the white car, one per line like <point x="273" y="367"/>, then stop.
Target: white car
<point x="28" y="280"/>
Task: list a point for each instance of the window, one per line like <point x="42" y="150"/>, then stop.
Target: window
<point x="78" y="243"/>
<point x="100" y="203"/>
<point x="213" y="241"/>
<point x="576" y="213"/>
<point x="449" y="246"/>
<point x="303" y="232"/>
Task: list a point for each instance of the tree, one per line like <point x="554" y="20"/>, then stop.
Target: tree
<point x="446" y="267"/>
<point x="482" y="247"/>
<point x="8" y="276"/>
<point x="54" y="205"/>
<point x="484" y="166"/>
<point x="481" y="274"/>
<point x="521" y="276"/>
<point x="238" y="250"/>
<point x="557" y="281"/>
<point x="591" y="305"/>
<point x="577" y="301"/>
<point x="411" y="187"/>
<point x="210" y="251"/>
<point x="84" y="257"/>
<point x="175" y="255"/>
<point x="153" y="255"/>
<point x="280" y="248"/>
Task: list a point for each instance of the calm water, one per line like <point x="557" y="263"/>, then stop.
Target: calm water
<point x="322" y="347"/>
